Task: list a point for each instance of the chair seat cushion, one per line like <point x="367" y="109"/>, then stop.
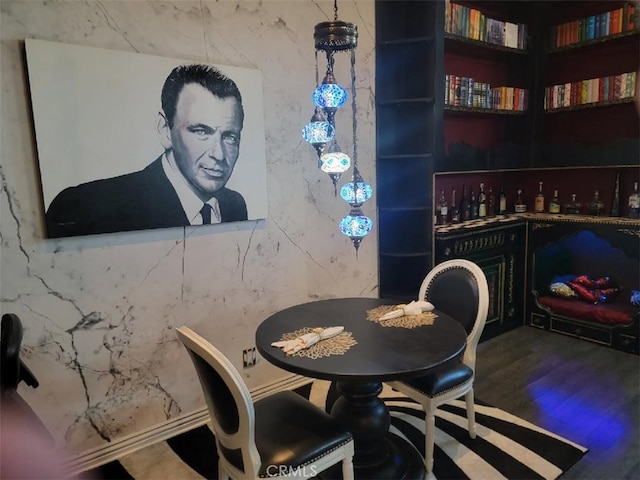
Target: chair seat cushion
<point x="292" y="431"/>
<point x="441" y="379"/>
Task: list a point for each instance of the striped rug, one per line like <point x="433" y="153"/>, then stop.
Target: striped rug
<point x="506" y="447"/>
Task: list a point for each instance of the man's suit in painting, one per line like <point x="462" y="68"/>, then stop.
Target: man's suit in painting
<point x="136" y="201"/>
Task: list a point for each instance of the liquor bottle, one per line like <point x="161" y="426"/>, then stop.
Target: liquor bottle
<point x="634" y="202"/>
<point x="482" y="202"/>
<point x="538" y="205"/>
<point x="615" y="203"/>
<point x="443" y="210"/>
<point x="554" y="203"/>
<point x="502" y="202"/>
<point x="491" y="203"/>
<point x="455" y="211"/>
<point x="465" y="206"/>
<point x="573" y="207"/>
<point x="519" y="206"/>
<point x="595" y="206"/>
<point x="474" y="205"/>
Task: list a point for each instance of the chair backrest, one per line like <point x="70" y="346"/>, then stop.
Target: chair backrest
<point x="10" y="340"/>
<point x="459" y="288"/>
<point x="229" y="403"/>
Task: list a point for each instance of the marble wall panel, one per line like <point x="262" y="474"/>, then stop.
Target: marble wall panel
<point x="100" y="311"/>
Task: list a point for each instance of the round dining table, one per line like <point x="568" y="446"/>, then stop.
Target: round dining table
<point x="382" y="353"/>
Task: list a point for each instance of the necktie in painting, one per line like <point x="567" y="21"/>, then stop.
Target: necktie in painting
<point x="205" y="211"/>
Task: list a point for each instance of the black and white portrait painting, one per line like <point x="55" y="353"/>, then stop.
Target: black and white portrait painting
<point x="134" y="142"/>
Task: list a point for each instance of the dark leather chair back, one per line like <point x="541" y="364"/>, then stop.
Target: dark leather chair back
<point x="454" y="291"/>
<point x="13" y="370"/>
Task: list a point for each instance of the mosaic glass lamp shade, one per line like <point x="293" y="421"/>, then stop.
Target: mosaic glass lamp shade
<point x="329" y="96"/>
<point x="318" y="132"/>
<point x="356" y="192"/>
<point x="356" y="226"/>
<point x="334" y="160"/>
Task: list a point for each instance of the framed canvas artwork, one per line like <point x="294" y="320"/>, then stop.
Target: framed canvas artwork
<point x="134" y="142"/>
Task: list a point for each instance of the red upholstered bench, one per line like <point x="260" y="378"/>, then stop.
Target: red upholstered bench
<point x="620" y="312"/>
<point x="615" y="323"/>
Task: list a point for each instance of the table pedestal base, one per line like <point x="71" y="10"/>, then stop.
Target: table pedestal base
<point x="378" y="453"/>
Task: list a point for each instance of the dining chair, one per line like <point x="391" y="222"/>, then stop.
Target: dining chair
<point x="459" y="289"/>
<point x="282" y="435"/>
<point x="13" y="371"/>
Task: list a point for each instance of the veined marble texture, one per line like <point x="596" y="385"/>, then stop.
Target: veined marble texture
<point x="100" y="311"/>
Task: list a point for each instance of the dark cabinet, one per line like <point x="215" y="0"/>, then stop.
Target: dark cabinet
<point x="498" y="247"/>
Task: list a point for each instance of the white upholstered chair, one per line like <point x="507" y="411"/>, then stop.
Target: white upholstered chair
<point x="282" y="435"/>
<point x="459" y="289"/>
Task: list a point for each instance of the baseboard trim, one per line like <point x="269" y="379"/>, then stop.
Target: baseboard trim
<point x="137" y="441"/>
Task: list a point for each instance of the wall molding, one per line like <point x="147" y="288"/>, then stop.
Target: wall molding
<point x="145" y="438"/>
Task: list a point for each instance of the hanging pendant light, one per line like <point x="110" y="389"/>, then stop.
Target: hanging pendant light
<point x="334" y="163"/>
<point x="331" y="37"/>
<point x="318" y="132"/>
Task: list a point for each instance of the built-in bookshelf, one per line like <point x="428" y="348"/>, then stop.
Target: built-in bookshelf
<point x="606" y="25"/>
<point x="488" y="73"/>
<point x="591" y="64"/>
<point x="603" y="91"/>
<point x="423" y="129"/>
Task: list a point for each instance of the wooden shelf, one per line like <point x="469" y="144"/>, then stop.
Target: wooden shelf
<point x="459" y="44"/>
<point x="584" y="106"/>
<point x="593" y="42"/>
<point x="483" y="111"/>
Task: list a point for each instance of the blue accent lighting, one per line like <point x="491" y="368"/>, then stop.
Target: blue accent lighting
<point x="358" y="195"/>
<point x="329" y="95"/>
<point x="355" y="226"/>
<point x="318" y="132"/>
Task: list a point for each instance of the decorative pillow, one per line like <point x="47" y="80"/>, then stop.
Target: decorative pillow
<point x="562" y="290"/>
<point x="601" y="290"/>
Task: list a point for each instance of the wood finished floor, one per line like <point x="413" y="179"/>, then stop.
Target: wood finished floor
<point x="585" y="392"/>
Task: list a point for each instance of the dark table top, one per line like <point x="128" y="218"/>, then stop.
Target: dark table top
<point x="382" y="353"/>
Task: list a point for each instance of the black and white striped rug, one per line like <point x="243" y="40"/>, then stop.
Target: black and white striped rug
<point x="506" y="447"/>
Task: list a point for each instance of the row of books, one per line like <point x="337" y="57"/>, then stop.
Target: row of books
<point x="466" y="92"/>
<point x="593" y="90"/>
<point x="471" y="23"/>
<point x="623" y="19"/>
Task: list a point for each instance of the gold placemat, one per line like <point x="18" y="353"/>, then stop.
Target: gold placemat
<point x="337" y="345"/>
<point x="407" y="321"/>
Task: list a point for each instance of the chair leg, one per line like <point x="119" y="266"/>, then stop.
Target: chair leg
<point x="471" y="413"/>
<point x="429" y="436"/>
<point x="347" y="468"/>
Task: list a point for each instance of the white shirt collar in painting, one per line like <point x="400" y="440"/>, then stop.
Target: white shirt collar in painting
<point x="190" y="202"/>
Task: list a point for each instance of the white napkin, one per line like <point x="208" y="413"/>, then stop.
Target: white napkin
<point x="413" y="308"/>
<point x="307" y="340"/>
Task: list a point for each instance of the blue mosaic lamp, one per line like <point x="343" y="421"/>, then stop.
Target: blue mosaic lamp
<point x="318" y="132"/>
<point x="357" y="191"/>
<point x="329" y="95"/>
<point x="356" y="226"/>
<point x="334" y="162"/>
<point x="332" y="37"/>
